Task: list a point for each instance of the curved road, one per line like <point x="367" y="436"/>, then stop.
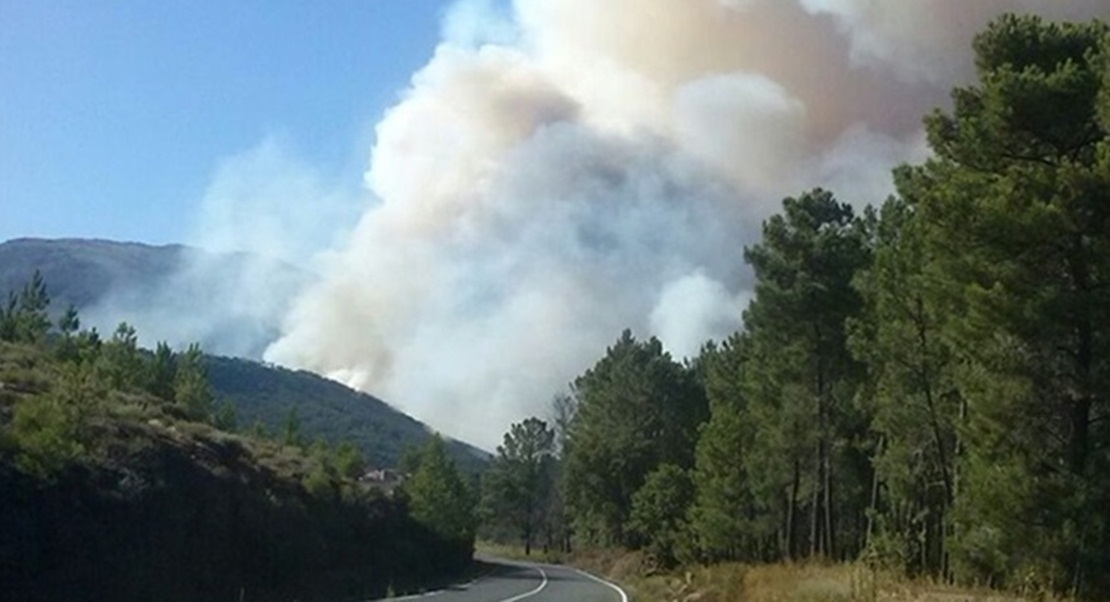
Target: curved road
<point x="526" y="582"/>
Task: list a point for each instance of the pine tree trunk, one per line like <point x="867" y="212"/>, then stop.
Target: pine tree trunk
<point x="792" y="513"/>
<point x="815" y="508"/>
<point x="874" y="494"/>
<point x="830" y="539"/>
<point x="1084" y="356"/>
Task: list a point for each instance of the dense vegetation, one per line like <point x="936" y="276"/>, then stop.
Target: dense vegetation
<point x="923" y="385"/>
<point x="121" y="480"/>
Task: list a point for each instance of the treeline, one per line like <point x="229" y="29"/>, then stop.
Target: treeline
<point x="121" y="478"/>
<point x="925" y="385"/>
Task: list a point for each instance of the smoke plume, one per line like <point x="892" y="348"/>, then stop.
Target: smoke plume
<point x="563" y="169"/>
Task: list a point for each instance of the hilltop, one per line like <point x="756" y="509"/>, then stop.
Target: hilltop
<point x="82" y="272"/>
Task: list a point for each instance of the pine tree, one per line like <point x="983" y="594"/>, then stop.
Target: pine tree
<point x="910" y="396"/>
<point x="33" y="322"/>
<point x="25" y="319"/>
<point x="519" y="484"/>
<point x="636" y="409"/>
<point x="68" y="325"/>
<point x="70" y="322"/>
<point x="439" y="498"/>
<point x="121" y="361"/>
<point x="191" y="390"/>
<point x="1018" y="231"/>
<point x="162" y="372"/>
<point x="802" y="379"/>
<point x="725" y="521"/>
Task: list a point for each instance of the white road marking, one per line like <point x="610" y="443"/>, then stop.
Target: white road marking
<point x="528" y="594"/>
<point x="416" y="596"/>
<point x="624" y="596"/>
<point x="539" y="589"/>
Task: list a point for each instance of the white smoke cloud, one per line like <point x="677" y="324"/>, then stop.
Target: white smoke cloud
<point x="693" y="310"/>
<point x="744" y="125"/>
<point x="274" y="205"/>
<point x="565" y="169"/>
<point x="930" y="40"/>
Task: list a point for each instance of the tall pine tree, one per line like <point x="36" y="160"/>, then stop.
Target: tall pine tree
<point x="637" y="409"/>
<point x="1017" y="225"/>
<point x="802" y="379"/>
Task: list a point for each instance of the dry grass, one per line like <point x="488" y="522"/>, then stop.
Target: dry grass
<point x="733" y="582"/>
<point x="807" y="582"/>
<point x="22" y="372"/>
<point x="780" y="583"/>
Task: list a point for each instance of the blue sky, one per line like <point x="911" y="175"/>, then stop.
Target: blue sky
<point x="115" y="115"/>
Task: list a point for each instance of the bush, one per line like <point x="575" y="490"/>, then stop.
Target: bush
<point x="45" y="432"/>
<point x="320" y="485"/>
<point x="659" y="508"/>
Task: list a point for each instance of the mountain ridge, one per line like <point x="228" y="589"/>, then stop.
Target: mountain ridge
<point x="80" y="271"/>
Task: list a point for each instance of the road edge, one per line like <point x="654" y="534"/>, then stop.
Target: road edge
<point x="624" y="596"/>
<point x="432" y="592"/>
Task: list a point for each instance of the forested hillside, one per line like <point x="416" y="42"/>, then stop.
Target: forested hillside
<point x="269" y="397"/>
<point x="924" y="386"/>
<point x="121" y="479"/>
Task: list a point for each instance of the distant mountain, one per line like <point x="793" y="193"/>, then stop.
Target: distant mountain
<point x="83" y="272"/>
<point x="232" y="304"/>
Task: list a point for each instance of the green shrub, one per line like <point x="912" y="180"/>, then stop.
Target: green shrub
<point x="45" y="432"/>
<point x="319" y="484"/>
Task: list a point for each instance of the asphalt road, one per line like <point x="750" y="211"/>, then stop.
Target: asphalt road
<point x="523" y="582"/>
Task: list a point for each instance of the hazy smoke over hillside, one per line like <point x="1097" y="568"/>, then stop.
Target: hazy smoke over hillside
<point x="264" y="215"/>
<point x="564" y="169"/>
